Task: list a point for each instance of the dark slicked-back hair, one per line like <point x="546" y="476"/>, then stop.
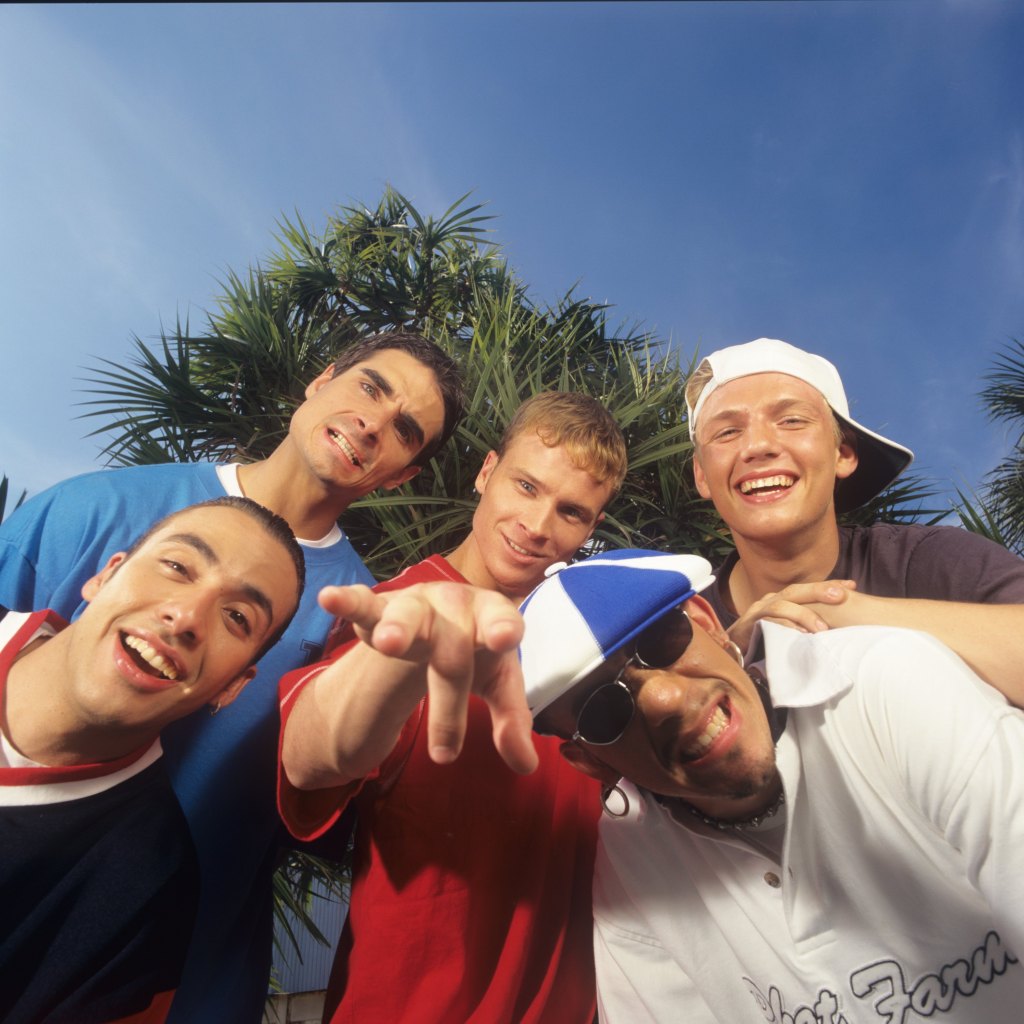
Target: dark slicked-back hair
<point x="272" y="523"/>
<point x="446" y="371"/>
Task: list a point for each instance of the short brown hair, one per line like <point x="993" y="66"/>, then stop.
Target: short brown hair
<point x="581" y="424"/>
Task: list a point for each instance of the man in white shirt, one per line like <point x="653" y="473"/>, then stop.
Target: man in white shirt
<point x="831" y="836"/>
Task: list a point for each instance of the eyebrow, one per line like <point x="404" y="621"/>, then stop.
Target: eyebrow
<point x="779" y="405"/>
<point x="410" y="422"/>
<point x="207" y="553"/>
<point x="519" y="472"/>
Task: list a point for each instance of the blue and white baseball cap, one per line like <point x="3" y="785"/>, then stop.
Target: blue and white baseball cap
<point x="583" y="613"/>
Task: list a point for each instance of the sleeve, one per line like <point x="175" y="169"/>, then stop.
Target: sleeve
<point x="308" y="814"/>
<point x="954" y="564"/>
<point x="23" y="545"/>
<point x="957" y="750"/>
<point x="58" y="539"/>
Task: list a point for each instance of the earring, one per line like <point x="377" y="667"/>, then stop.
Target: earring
<point x="621" y="801"/>
<point x="734" y="652"/>
<point x="214" y="708"/>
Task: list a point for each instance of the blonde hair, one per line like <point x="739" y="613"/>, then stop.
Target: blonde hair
<point x="580" y="424"/>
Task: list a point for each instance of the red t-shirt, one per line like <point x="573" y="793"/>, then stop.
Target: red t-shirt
<point x="471" y="896"/>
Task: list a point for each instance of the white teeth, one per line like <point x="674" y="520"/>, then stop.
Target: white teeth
<point x="517" y="549"/>
<point x="766" y="483"/>
<point x="151" y="657"/>
<point x="718" y="721"/>
<point x="344" y="446"/>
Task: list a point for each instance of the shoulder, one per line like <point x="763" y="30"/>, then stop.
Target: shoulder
<point x="434" y="569"/>
<point x="938" y="562"/>
<point x="89" y="491"/>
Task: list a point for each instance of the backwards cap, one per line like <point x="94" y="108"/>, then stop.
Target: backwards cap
<point x="880" y="460"/>
<point x="583" y="613"/>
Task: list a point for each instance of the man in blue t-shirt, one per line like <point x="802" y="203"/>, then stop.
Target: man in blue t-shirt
<point x="371" y="420"/>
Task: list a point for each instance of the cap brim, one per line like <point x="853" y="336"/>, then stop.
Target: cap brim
<point x="879" y="462"/>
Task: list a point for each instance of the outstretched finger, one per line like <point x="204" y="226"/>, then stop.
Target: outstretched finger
<point x="511" y="721"/>
<point x="450" y="671"/>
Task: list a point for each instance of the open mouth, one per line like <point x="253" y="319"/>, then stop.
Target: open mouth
<point x="696" y="749"/>
<point x="151" y="661"/>
<point x="767" y="484"/>
<point x="347" y="450"/>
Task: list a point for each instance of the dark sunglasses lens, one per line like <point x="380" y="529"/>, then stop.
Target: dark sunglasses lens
<point x="605" y="715"/>
<point x="663" y="642"/>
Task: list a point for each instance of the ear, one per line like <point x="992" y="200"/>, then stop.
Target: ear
<point x="318" y="382"/>
<point x="701" y="613"/>
<point x="699" y="479"/>
<point x="92" y="586"/>
<point x="490" y="461"/>
<point x="583" y="761"/>
<point x="233" y="689"/>
<point x="846" y="460"/>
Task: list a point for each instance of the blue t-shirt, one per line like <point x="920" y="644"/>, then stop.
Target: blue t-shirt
<point x="222" y="767"/>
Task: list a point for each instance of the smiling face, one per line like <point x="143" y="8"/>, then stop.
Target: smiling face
<point x="768" y="457"/>
<point x="699" y="731"/>
<point x="537" y="507"/>
<point x="179" y="623"/>
<point x="362" y="429"/>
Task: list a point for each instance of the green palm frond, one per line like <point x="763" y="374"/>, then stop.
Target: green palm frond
<point x="301" y="878"/>
<point x="1000" y="510"/>
<point x="1003" y="395"/>
<point x="5" y="494"/>
<point x="977" y="517"/>
<point x="904" y="502"/>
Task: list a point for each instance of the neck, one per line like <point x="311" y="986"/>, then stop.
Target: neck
<point x="278" y="483"/>
<point x="39" y="719"/>
<point x="767" y="567"/>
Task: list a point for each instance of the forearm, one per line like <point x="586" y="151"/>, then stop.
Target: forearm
<point x="348" y="718"/>
<point x="989" y="637"/>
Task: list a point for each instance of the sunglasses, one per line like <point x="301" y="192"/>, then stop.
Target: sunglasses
<point x="609" y="709"/>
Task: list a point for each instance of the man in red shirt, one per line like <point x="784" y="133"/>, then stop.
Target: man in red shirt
<point x="471" y="891"/>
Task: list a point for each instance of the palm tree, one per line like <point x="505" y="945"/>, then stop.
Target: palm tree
<point x="998" y="513"/>
<point x="228" y="390"/>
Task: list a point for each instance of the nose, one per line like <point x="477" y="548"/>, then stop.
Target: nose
<point x="660" y="694"/>
<point x="369" y="424"/>
<point x="759" y="440"/>
<point x="184" y="619"/>
<point x="535" y="520"/>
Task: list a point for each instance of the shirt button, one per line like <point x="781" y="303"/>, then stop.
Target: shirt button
<point x="772" y="879"/>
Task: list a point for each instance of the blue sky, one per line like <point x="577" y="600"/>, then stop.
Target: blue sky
<point x="846" y="176"/>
